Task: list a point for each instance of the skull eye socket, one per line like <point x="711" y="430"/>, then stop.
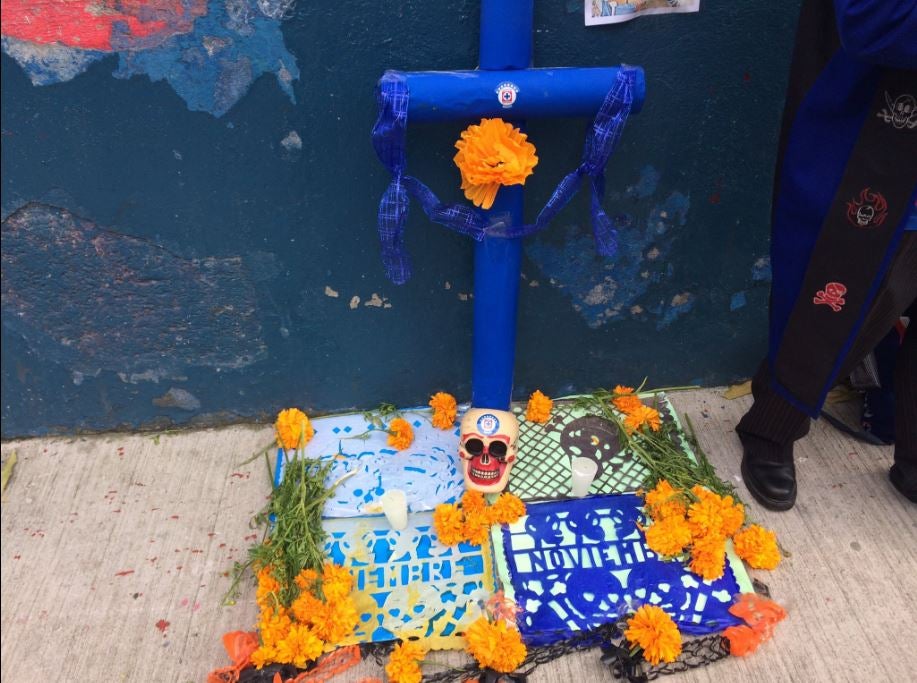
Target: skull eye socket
<point x="475" y="447"/>
<point x="497" y="449"/>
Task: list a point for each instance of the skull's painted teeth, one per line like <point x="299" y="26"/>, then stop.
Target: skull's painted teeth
<point x="482" y="474"/>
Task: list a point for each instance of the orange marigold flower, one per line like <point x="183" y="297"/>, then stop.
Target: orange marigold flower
<point x="621" y="390"/>
<point x="644" y="416"/>
<point x="714" y="514"/>
<point x="491" y="154"/>
<point x="757" y="546"/>
<point x="651" y="629"/>
<point x="306" y="580"/>
<point x="274" y="626"/>
<point x="263" y="656"/>
<point x="476" y="529"/>
<point x="331" y="622"/>
<point x="268" y="588"/>
<point x="538" y="408"/>
<point x="444" y="409"/>
<point x="305" y="607"/>
<point x="495" y="645"/>
<point x="507" y="509"/>
<point x="300" y="647"/>
<point x="448" y="521"/>
<point x="400" y="434"/>
<point x="473" y="502"/>
<point x="665" y="501"/>
<point x="627" y="404"/>
<point x="337" y="582"/>
<point x="708" y="557"/>
<point x="669" y="536"/>
<point x="293" y="429"/>
<point x="404" y="663"/>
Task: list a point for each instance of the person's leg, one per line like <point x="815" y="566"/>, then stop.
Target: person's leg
<point x="767" y="432"/>
<point x="903" y="473"/>
<point x="771" y="425"/>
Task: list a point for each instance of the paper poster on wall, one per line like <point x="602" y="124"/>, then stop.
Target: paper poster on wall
<point x="615" y="11"/>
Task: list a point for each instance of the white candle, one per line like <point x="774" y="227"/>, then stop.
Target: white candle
<point x="395" y="507"/>
<point x="583" y="471"/>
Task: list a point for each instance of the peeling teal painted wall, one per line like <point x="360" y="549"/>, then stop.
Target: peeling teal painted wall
<point x="189" y="228"/>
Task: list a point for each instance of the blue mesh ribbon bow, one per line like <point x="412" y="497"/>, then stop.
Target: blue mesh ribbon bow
<point x="389" y="135"/>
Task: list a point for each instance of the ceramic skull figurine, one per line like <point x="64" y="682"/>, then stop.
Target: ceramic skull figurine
<point x="488" y="448"/>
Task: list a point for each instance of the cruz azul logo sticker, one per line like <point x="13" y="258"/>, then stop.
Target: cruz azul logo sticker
<point x="506" y="93"/>
<point x="488" y="424"/>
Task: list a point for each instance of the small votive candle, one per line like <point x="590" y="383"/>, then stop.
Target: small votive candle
<point x="583" y="471"/>
<point x="395" y="507"/>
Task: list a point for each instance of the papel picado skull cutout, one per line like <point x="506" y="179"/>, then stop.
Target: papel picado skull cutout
<point x="488" y="448"/>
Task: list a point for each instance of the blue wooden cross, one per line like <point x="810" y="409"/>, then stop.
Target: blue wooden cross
<point x="505" y="86"/>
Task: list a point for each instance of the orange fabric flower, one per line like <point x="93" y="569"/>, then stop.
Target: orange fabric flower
<point x="708" y="557"/>
<point x="669" y="536"/>
<point x="742" y="640"/>
<point x="491" y="154"/>
<point x="651" y="629"/>
<point x="757" y="611"/>
<point x="642" y="416"/>
<point x="495" y="645"/>
<point x="757" y="546"/>
<point x="448" y="521"/>
<point x="293" y="429"/>
<point x="761" y="616"/>
<point x="538" y="408"/>
<point x="507" y="509"/>
<point x="404" y="663"/>
<point x="444" y="410"/>
<point x="400" y="434"/>
<point x="665" y="501"/>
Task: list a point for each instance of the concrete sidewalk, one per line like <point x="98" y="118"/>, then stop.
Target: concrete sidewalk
<point x="115" y="551"/>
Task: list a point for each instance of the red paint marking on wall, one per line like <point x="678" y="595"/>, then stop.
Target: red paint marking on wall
<point x="95" y="24"/>
<point x="162" y="625"/>
<point x="125" y="572"/>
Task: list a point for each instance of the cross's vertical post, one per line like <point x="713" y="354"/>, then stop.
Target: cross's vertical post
<point x="506" y="44"/>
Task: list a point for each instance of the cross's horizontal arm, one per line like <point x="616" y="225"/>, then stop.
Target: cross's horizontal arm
<point x="451" y="95"/>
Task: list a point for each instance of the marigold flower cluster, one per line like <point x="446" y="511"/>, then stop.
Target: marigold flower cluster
<point x="495" y="645"/>
<point x="404" y="663"/>
<point x="538" y="408"/>
<point x="637" y="415"/>
<point x="323" y="614"/>
<point x="655" y="632"/>
<point x="400" y="434"/>
<point x="444" y="409"/>
<point x="473" y="520"/>
<point x="490" y="154"/>
<point x="698" y="525"/>
<point x="293" y="429"/>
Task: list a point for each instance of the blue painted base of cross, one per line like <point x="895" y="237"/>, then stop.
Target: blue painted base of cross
<point x="504" y="86"/>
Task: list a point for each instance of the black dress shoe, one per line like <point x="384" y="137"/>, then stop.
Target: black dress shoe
<point x="905" y="481"/>
<point x="769" y="473"/>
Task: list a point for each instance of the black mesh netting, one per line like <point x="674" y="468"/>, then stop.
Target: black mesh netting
<point x="695" y="652"/>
